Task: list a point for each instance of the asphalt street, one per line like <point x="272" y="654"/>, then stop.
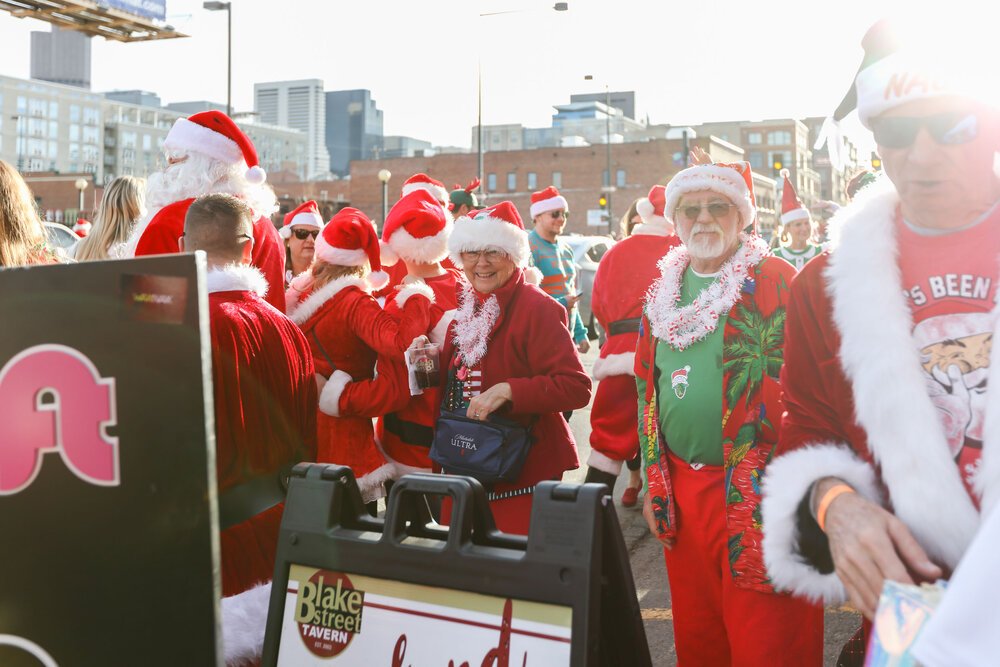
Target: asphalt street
<point x="649" y="571"/>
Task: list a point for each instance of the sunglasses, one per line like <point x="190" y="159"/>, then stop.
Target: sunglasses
<point x="559" y="214"/>
<point x="948" y="129"/>
<point x="716" y="209"/>
<point x="303" y="234"/>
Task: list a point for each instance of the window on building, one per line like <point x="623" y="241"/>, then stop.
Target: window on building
<point x="36" y="107"/>
<point x="491" y="182"/>
<point x="511" y="181"/>
<point x="496" y="139"/>
<point x="147" y="142"/>
<point x="53" y="110"/>
<point x="128" y="139"/>
<point x="753" y="138"/>
<point x="74" y="133"/>
<point x="74" y="112"/>
<point x="90" y="135"/>
<point x="620" y="178"/>
<point x="779" y="138"/>
<point x="53" y="150"/>
<point x="756" y="160"/>
<point x="53" y="129"/>
<point x="532" y="181"/>
<point x="557" y="179"/>
<point x="91" y="115"/>
<point x="74" y="152"/>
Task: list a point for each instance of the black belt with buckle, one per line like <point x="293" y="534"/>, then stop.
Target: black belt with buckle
<point x="409" y="432"/>
<point x="630" y="325"/>
<point x="258" y="494"/>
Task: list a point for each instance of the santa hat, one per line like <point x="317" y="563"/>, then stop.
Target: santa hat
<point x="425" y="182"/>
<point x="547" y="200"/>
<point x="214" y="134"/>
<point x="734" y="181"/>
<point x="306" y="215"/>
<point x="416" y="229"/>
<point x="349" y="239"/>
<point x="651" y="208"/>
<point x="792" y="208"/>
<point x="498" y="226"/>
<point x="82" y="227"/>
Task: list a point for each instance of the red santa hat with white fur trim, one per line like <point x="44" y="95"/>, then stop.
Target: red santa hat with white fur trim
<point x="306" y="215"/>
<point x="733" y="180"/>
<point x="82" y="228"/>
<point x="499" y="226"/>
<point x="651" y="208"/>
<point x="547" y="200"/>
<point x="349" y="239"/>
<point x="792" y="208"/>
<point x="416" y="230"/>
<point x="214" y="134"/>
<point x="425" y="182"/>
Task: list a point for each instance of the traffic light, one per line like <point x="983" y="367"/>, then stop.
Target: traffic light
<point x="777" y="165"/>
<point x="602" y="201"/>
<point x="876" y="161"/>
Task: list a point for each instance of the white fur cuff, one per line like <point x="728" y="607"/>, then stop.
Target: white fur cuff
<point x="372" y="485"/>
<point x="244" y="619"/>
<point x="329" y="399"/>
<point x="787" y="480"/>
<point x="417" y="287"/>
<point x="614" y="364"/>
<point x="604" y="463"/>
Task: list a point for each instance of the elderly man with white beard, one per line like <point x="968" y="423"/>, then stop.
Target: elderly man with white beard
<point x="707" y="364"/>
<point x="208" y="154"/>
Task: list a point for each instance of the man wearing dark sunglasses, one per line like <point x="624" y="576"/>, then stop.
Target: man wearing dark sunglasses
<point x="888" y="338"/>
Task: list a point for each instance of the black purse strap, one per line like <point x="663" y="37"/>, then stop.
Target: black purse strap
<point x="333" y="366"/>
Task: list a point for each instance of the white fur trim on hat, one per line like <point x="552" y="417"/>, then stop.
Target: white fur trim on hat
<point x="255" y="175"/>
<point x="724" y="180"/>
<point x="340" y="256"/>
<point x="550" y="204"/>
<point x="187" y="136"/>
<point x="488" y="232"/>
<point x="795" y="214"/>
<point x="532" y="276"/>
<point x="244" y="620"/>
<point x="414" y="288"/>
<point x="305" y="219"/>
<point x="329" y="398"/>
<point x="387" y="254"/>
<point x="437" y="191"/>
<point x="787" y="480"/>
<point x="427" y="250"/>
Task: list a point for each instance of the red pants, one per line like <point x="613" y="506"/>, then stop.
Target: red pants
<point x="717" y="623"/>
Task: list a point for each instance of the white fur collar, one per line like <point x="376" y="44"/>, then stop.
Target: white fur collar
<point x="881" y="360"/>
<point x="682" y="326"/>
<point x="236" y="277"/>
<point x="300" y="312"/>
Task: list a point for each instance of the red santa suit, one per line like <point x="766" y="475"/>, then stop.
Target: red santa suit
<point x="265" y="419"/>
<point x="624" y="275"/>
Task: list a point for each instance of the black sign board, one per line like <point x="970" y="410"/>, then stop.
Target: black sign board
<point x="107" y="471"/>
<point x="350" y="589"/>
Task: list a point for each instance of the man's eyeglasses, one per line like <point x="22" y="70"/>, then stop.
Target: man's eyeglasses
<point x="716" y="209"/>
<point x="303" y="234"/>
<point x="489" y="255"/>
<point x="948" y="129"/>
<point x="559" y="214"/>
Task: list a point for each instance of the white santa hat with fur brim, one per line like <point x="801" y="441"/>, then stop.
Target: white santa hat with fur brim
<point x="499" y="226"/>
<point x="306" y="215"/>
<point x="214" y="134"/>
<point x="416" y="229"/>
<point x="732" y="180"/>
<point x="349" y="239"/>
<point x="425" y="182"/>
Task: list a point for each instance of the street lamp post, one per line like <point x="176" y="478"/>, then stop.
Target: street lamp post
<point x="81" y="185"/>
<point x="607" y="188"/>
<point x="559" y="7"/>
<point x="226" y="7"/>
<point x="384" y="175"/>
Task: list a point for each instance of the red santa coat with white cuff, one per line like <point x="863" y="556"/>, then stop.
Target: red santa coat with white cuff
<point x="857" y="406"/>
<point x="624" y="275"/>
<point x="353" y="330"/>
<point x="265" y="419"/>
<point x="167" y="225"/>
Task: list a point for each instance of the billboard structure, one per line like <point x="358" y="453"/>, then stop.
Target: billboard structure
<point x="120" y="20"/>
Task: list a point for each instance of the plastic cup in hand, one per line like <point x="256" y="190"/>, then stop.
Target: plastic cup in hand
<point x="425" y="362"/>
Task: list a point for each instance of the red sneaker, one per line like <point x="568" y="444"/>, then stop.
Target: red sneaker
<point x="631" y="495"/>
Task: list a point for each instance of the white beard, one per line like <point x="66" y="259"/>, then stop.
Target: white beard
<point x="705" y="246"/>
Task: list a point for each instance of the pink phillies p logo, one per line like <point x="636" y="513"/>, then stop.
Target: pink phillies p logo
<point x="52" y="398"/>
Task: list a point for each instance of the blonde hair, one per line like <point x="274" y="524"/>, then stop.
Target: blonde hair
<point x="324" y="273"/>
<point x="121" y="206"/>
<point x="22" y="236"/>
<point x="626" y="225"/>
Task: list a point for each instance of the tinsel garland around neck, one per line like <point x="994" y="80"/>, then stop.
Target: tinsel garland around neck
<point x="473" y="326"/>
<point x="682" y="326"/>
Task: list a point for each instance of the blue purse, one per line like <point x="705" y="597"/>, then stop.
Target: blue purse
<point x="490" y="451"/>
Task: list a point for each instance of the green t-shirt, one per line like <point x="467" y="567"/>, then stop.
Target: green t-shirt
<point x="689" y="389"/>
<point x="798" y="258"/>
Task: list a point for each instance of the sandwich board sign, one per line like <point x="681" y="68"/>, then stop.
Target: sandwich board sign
<point x="350" y="589"/>
<point x="107" y="479"/>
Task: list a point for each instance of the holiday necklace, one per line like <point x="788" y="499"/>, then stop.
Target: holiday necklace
<point x="681" y="326"/>
<point x="473" y="326"/>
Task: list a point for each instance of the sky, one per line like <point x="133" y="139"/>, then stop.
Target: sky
<point x="688" y="61"/>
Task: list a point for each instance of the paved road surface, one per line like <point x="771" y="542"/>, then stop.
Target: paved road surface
<point x="650" y="573"/>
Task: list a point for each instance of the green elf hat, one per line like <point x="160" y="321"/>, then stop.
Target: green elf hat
<point x="464" y="196"/>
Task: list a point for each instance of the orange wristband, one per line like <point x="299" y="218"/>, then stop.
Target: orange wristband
<point x="824" y="503"/>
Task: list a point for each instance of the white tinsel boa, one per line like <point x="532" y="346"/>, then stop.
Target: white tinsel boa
<point x="472" y="328"/>
<point x="683" y="326"/>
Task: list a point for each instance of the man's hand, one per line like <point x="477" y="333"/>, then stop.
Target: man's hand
<point x="572" y="300"/>
<point x="583" y="346"/>
<point x="647" y="514"/>
<point x="870" y="545"/>
<point x="699" y="156"/>
<point x="489" y="401"/>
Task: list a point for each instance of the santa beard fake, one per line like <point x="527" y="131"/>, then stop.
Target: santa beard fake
<point x="200" y="175"/>
<point x="706" y="241"/>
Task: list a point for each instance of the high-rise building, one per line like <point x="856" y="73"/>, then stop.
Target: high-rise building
<point x="300" y="105"/>
<point x="61" y="56"/>
<point x="353" y="128"/>
<point x="624" y="100"/>
<point x="142" y="98"/>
